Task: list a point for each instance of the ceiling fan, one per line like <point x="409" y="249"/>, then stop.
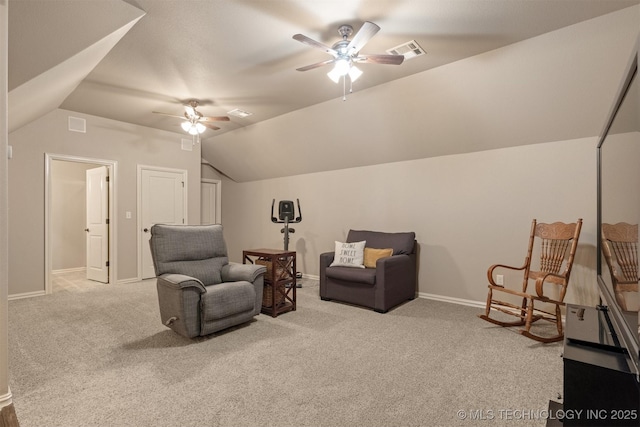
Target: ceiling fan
<point x="346" y="53"/>
<point x="194" y="122"/>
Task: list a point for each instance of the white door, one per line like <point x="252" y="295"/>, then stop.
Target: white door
<point x="162" y="202"/>
<point x="210" y="202"/>
<point x="97" y="225"/>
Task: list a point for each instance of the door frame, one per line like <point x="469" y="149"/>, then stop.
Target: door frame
<point x="218" y="183"/>
<point x="112" y="167"/>
<point x="139" y="204"/>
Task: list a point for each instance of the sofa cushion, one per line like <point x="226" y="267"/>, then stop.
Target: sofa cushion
<point x="349" y="255"/>
<point x="356" y="275"/>
<point x="402" y="243"/>
<point x="371" y="256"/>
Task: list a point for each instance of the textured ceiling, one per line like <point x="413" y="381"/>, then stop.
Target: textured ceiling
<point x="240" y="53"/>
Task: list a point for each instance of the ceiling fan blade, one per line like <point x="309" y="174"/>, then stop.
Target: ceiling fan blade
<point x="214" y="119"/>
<point x="316" y="65"/>
<point x="167" y="114"/>
<point x="310" y="42"/>
<point x="380" y="59"/>
<point x="368" y="30"/>
<point x="210" y="126"/>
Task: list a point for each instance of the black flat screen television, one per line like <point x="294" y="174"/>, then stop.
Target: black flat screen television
<point x="618" y="198"/>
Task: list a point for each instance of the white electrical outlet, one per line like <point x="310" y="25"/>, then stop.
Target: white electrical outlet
<point x="499" y="279"/>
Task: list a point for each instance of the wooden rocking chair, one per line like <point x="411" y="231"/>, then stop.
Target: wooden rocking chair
<point x="620" y="250"/>
<point x="557" y="245"/>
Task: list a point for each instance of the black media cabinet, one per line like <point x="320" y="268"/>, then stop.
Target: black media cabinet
<point x="600" y="388"/>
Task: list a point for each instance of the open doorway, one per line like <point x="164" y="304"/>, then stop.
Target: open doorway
<point x="68" y="246"/>
<point x="210" y="201"/>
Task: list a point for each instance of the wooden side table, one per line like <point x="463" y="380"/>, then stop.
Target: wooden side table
<point x="280" y="280"/>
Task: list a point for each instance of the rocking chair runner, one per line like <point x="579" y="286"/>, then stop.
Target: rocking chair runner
<point x="620" y="250"/>
<point x="557" y="244"/>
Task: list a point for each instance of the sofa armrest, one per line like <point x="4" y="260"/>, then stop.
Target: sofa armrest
<point x="325" y="260"/>
<point x="236" y="272"/>
<point x="396" y="270"/>
<point x="181" y="281"/>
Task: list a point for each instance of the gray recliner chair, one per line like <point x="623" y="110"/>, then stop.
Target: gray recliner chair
<point x="199" y="291"/>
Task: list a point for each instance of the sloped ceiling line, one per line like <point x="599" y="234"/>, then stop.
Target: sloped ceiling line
<point x="48" y="90"/>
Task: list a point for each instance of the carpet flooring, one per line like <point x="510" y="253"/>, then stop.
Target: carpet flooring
<point x="98" y="356"/>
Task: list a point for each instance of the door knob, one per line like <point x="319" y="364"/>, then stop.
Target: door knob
<point x="146" y="230"/>
<point x="86" y="229"/>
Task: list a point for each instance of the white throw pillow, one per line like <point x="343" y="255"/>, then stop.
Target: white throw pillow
<point x="349" y="255"/>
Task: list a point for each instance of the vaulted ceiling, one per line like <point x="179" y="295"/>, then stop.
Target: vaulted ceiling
<point x="124" y="59"/>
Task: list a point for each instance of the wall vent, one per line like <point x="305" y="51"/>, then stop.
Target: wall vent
<point x="76" y="124"/>
<point x="187" y="144"/>
<point x="409" y="49"/>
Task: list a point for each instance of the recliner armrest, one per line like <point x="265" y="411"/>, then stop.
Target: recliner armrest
<point x="235" y="272"/>
<point x="181" y="281"/>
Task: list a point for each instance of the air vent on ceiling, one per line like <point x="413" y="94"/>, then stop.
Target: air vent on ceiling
<point x="239" y="113"/>
<point x="409" y="49"/>
<point x="76" y="124"/>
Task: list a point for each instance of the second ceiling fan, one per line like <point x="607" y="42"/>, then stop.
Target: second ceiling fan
<point x="194" y="121"/>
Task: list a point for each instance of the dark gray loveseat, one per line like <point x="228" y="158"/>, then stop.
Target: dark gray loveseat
<point x="391" y="282"/>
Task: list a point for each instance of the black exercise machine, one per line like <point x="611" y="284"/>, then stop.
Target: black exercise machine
<point x="286" y="213"/>
<point x="286" y="216"/>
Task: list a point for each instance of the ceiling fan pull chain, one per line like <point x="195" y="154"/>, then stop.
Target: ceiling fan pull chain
<point x="344" y="88"/>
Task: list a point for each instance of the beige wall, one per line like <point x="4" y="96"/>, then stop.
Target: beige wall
<point x="126" y="144"/>
<point x="468" y="211"/>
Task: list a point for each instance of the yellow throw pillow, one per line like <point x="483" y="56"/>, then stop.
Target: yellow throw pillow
<point x="372" y="255"/>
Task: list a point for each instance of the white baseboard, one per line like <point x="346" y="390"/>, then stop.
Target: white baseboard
<point x="460" y="301"/>
<point x="68" y="270"/>
<point x="26" y="295"/>
<point x="130" y="280"/>
<point x="470" y="303"/>
<point x="6" y="399"/>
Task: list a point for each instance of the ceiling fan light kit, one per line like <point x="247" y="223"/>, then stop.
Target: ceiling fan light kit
<point x="194" y="122"/>
<point x="345" y="53"/>
<point x="193" y="128"/>
<point x="342" y="69"/>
